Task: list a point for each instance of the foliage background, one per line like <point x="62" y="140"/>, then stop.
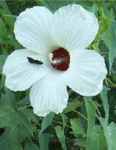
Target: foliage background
<point x="88" y="123"/>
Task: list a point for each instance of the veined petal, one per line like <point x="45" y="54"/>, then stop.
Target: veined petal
<point x="20" y="74"/>
<point x="74" y="27"/>
<point x="32" y="29"/>
<point x="86" y="73"/>
<point x="48" y="95"/>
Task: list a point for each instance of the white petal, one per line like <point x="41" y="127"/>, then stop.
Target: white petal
<point x="20" y="74"/>
<point x="86" y="73"/>
<point x="74" y="27"/>
<point x="32" y="29"/>
<point x="49" y="95"/>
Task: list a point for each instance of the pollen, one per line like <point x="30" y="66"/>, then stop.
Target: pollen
<point x="60" y="59"/>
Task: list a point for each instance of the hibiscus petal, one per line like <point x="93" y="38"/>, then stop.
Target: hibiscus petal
<point x="32" y="29"/>
<point x="20" y="74"/>
<point x="48" y="95"/>
<point x="86" y="73"/>
<point x="74" y="27"/>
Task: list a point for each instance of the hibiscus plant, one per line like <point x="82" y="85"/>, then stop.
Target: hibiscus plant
<point x="57" y="75"/>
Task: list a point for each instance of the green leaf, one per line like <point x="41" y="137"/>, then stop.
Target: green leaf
<point x="96" y="139"/>
<point x="77" y="127"/>
<point x="31" y="146"/>
<point x="16" y="122"/>
<point x="109" y="38"/>
<point x="44" y="139"/>
<point x="110" y="134"/>
<point x="91" y="111"/>
<point x="104" y="98"/>
<point x="91" y="115"/>
<point x="9" y="142"/>
<point x="54" y="5"/>
<point x="2" y="61"/>
<point x="47" y="122"/>
<point x="17" y="126"/>
<point x="8" y="98"/>
<point x="4" y="8"/>
<point x="3" y="31"/>
<point x="7" y="116"/>
<point x="80" y="142"/>
<point x="9" y="20"/>
<point x="61" y="136"/>
<point x="72" y="106"/>
<point x="64" y="120"/>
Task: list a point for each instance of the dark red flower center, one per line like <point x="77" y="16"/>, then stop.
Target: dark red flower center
<point x="60" y="59"/>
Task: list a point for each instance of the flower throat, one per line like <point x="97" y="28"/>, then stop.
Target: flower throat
<point x="60" y="59"/>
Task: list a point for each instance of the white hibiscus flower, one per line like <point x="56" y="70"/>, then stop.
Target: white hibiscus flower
<point x="55" y="56"/>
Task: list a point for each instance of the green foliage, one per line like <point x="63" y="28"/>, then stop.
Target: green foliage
<point x="96" y="139"/>
<point x="87" y="123"/>
<point x="61" y="136"/>
<point x="109" y="39"/>
<point x="104" y="98"/>
<point x="54" y="5"/>
<point x="76" y="126"/>
<point x="44" y="139"/>
<point x="31" y="146"/>
<point x="110" y="134"/>
<point x="47" y="121"/>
